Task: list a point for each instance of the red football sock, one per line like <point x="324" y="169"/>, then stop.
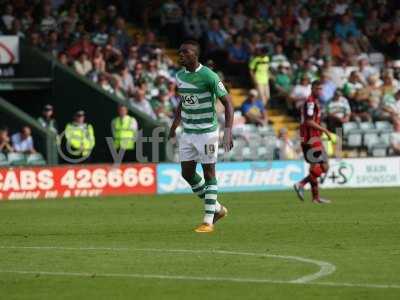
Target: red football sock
<point x="314" y="187"/>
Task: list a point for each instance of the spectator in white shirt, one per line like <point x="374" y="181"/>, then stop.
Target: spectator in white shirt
<point x="338" y="111"/>
<point x="140" y="103"/>
<point x="304" y="20"/>
<point x="48" y="22"/>
<point x="285" y="147"/>
<point x="22" y="141"/>
<point x="83" y="65"/>
<point x="127" y="80"/>
<point x="8" y="17"/>
<point x="300" y="93"/>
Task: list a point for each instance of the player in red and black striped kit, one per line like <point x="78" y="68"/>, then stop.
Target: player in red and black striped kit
<point x="313" y="149"/>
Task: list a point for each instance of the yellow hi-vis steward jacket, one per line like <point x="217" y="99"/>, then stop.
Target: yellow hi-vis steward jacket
<point x="80" y="138"/>
<point x="124" y="132"/>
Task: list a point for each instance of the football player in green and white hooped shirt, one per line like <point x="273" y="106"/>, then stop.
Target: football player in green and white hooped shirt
<point x="199" y="87"/>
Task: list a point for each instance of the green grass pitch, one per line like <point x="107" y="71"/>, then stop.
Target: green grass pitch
<point x="96" y="248"/>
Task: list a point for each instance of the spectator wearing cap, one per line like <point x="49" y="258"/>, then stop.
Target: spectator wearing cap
<point x="5" y="145"/>
<point x="47" y="119"/>
<point x="79" y="135"/>
<point x="338" y="111"/>
<point x="22" y="141"/>
<point x="140" y="103"/>
<point x="259" y="72"/>
<point x="83" y="65"/>
<point x="253" y="109"/>
<point x="124" y="130"/>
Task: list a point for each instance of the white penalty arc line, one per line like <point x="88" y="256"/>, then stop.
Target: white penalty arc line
<point x="326" y="268"/>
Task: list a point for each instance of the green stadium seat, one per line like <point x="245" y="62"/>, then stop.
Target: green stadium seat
<point x="3" y="160"/>
<point x="16" y="159"/>
<point x="35" y="159"/>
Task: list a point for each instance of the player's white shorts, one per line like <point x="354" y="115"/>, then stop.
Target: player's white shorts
<point x="202" y="148"/>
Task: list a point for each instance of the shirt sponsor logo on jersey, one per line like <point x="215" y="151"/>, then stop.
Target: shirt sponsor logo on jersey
<point x="190" y="100"/>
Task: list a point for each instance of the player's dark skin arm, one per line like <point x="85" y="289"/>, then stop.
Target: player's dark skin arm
<point x="176" y="122"/>
<point x="315" y="125"/>
<point x="227" y="103"/>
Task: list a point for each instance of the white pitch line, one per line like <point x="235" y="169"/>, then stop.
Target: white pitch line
<point x="196" y="278"/>
<point x="326" y="268"/>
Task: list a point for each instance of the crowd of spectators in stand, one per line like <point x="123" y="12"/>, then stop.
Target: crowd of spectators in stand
<point x="20" y="142"/>
<point x="353" y="46"/>
<point x="92" y="38"/>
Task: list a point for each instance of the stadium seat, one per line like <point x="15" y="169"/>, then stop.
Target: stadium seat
<point x="247" y="154"/>
<point x="16" y="159"/>
<point x="262" y="153"/>
<point x="379" y="151"/>
<point x="368" y="127"/>
<point x="354" y="140"/>
<point x="384" y="126"/>
<point x="385" y="138"/>
<point x="376" y="58"/>
<point x="3" y="160"/>
<point x="371" y="139"/>
<point x="350" y="127"/>
<point x="35" y="159"/>
<point x="266" y="130"/>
